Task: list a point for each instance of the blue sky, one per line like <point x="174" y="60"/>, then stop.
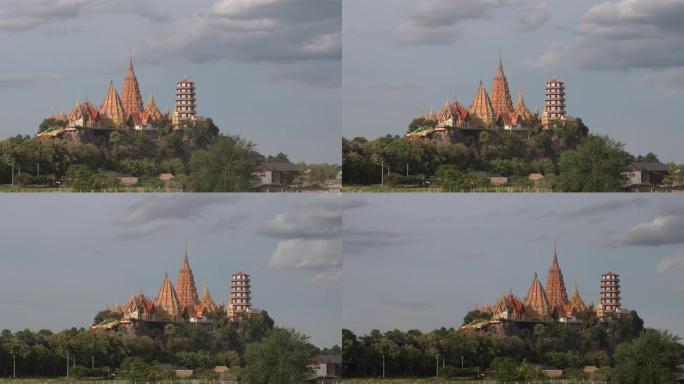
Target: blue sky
<point x="422" y="261"/>
<point x="622" y="62"/>
<point x="66" y="256"/>
<point x="269" y="70"/>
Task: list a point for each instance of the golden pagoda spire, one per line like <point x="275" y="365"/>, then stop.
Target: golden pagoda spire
<point x="205" y="301"/>
<point x="520" y="107"/>
<point x="536" y="303"/>
<point x="112" y="107"/>
<point x="167" y="300"/>
<point x="576" y="302"/>
<point x="481" y="107"/>
<point x="151" y="109"/>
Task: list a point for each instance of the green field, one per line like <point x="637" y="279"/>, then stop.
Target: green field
<point x="444" y="381"/>
<point x="399" y="188"/>
<point x="83" y="381"/>
<point x="414" y="381"/>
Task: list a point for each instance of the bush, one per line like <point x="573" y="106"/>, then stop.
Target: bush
<point x="450" y="372"/>
<point x="26" y="179"/>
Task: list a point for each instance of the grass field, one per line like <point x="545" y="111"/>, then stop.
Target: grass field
<point x="443" y="381"/>
<point x="386" y="188"/>
<point x="414" y="381"/>
<point x="69" y="381"/>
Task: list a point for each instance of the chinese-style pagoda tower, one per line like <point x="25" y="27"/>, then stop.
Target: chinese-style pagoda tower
<point x="520" y="108"/>
<point x="112" y="107"/>
<point x="167" y="303"/>
<point x="536" y="304"/>
<point x="185" y="287"/>
<point x="501" y="95"/>
<point x="482" y="107"/>
<point x="555" y="286"/>
<point x="130" y="92"/>
<point x="240" y="295"/>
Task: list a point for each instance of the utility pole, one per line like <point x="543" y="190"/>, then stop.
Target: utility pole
<point x="437" y="365"/>
<point x="14" y="365"/>
<point x="37" y="169"/>
<point x="461" y="361"/>
<point x="382" y="173"/>
<point x="67" y="357"/>
<point x="406" y="169"/>
<point x="12" y="172"/>
<point x="92" y="363"/>
<point x="383" y="365"/>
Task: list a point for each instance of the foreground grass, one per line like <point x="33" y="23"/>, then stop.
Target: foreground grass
<point x="413" y="381"/>
<point x="404" y="188"/>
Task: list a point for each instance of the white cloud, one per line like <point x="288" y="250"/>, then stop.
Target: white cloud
<point x="157" y="213"/>
<point x="671" y="264"/>
<point x="17" y="80"/>
<point x="310" y="254"/>
<point x="26" y="14"/>
<point x="435" y="21"/>
<point x="311" y="238"/>
<point x="665" y="229"/>
<point x="549" y="59"/>
<point x="280" y="33"/>
<point x="320" y="219"/>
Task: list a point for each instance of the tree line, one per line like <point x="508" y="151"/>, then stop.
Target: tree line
<point x="620" y="346"/>
<point x="242" y="346"/>
<point x="568" y="155"/>
<point x="200" y="157"/>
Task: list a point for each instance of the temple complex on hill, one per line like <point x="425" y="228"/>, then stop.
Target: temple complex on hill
<point x="551" y="302"/>
<point x="491" y="112"/>
<point x="182" y="303"/>
<point x="123" y="111"/>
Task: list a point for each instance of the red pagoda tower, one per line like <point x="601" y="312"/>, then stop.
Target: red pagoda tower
<point x="130" y="92"/>
<point x="185" y="287"/>
<point x="501" y="95"/>
<point x="555" y="286"/>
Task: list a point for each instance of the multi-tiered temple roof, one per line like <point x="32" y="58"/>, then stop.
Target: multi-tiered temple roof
<point x="542" y="303"/>
<point x="520" y="107"/>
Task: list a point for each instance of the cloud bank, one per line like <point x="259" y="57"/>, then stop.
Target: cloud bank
<point x="311" y="239"/>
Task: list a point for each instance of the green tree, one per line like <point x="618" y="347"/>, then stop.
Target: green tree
<point x="649" y="359"/>
<point x="504" y="369"/>
<point x="596" y="165"/>
<point x="284" y="357"/>
<point x="226" y="165"/>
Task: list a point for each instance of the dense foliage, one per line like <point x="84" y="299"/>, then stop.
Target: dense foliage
<point x="613" y="343"/>
<point x="200" y="157"/>
<point x="281" y="358"/>
<point x="570" y="158"/>
<point x="196" y="346"/>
